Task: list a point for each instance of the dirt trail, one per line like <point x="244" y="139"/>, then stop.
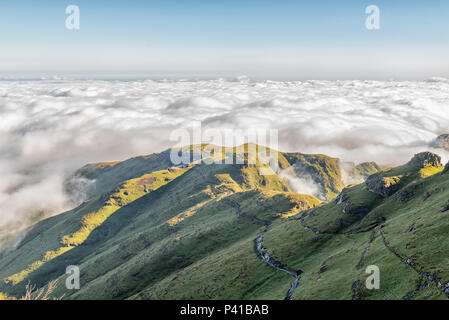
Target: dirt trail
<point x="426" y="276"/>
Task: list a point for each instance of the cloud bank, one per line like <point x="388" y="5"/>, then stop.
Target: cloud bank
<point x="50" y="128"/>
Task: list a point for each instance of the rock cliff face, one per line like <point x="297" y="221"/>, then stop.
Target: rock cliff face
<point x="426" y="159"/>
<point x="383" y="186"/>
<point x="406" y="193"/>
<point x="386" y="183"/>
<point x="349" y="207"/>
<point x="323" y="170"/>
<point x="442" y="142"/>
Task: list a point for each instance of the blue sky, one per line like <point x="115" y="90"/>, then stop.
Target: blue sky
<point x="198" y="38"/>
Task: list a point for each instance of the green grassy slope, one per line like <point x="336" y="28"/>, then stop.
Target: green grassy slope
<point x="332" y="255"/>
<point x="141" y="234"/>
<point x="393" y="229"/>
<point x="109" y="174"/>
<point x="190" y="233"/>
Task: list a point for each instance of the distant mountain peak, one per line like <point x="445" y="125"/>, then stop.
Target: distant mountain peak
<point x="441" y="142"/>
<point x="426" y="159"/>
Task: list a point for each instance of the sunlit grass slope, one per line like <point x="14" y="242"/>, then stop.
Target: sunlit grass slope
<point x="126" y="193"/>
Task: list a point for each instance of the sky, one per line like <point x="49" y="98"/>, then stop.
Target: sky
<point x="281" y="40"/>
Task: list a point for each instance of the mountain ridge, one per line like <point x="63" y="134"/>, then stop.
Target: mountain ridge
<point x="181" y="233"/>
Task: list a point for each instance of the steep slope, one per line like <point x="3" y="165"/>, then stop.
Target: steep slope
<point x="321" y="169"/>
<point x="109" y="174"/>
<point x="332" y="249"/>
<point x="224" y="231"/>
<point x="140" y="231"/>
<point x="79" y="225"/>
<point x="405" y="238"/>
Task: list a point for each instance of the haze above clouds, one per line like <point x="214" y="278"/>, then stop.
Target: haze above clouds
<point x="48" y="129"/>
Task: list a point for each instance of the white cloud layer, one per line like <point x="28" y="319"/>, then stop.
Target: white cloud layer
<point x="50" y="128"/>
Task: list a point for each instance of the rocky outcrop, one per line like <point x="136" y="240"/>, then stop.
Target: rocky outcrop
<point x="383" y="186"/>
<point x="357" y="290"/>
<point x="342" y="197"/>
<point x="342" y="223"/>
<point x="348" y="207"/>
<point x="387" y="183"/>
<point x="406" y="194"/>
<point x="426" y="159"/>
<point x="441" y="142"/>
<point x="446" y="207"/>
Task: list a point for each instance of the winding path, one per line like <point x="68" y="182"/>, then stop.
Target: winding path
<point x="430" y="278"/>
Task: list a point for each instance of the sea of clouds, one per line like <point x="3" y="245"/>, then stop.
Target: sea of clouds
<point x="48" y="128"/>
